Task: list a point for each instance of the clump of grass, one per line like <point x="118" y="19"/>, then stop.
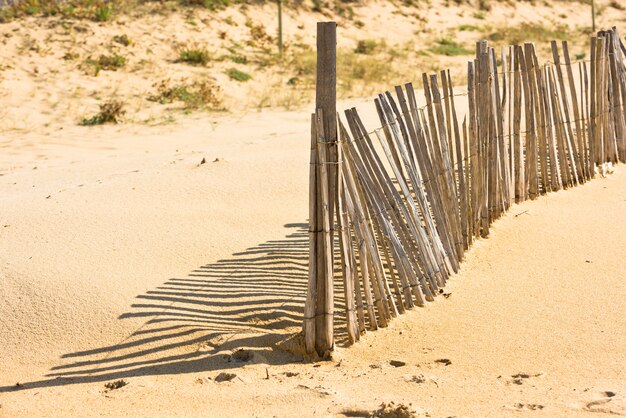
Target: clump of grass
<point x="366" y="47"/>
<point x="318" y="6"/>
<point x="110" y="112"/>
<point x="98" y="10"/>
<point x="106" y="62"/>
<point x="479" y="15"/>
<point x="238" y="75"/>
<point x="103" y="13"/>
<point x="196" y="95"/>
<point x="580" y="56"/>
<point x="111" y="62"/>
<point x="70" y="56"/>
<point x="526" y="32"/>
<point x="344" y="10"/>
<point x="258" y="34"/>
<point x="447" y="46"/>
<point x="237" y="59"/>
<point x="194" y="55"/>
<point x="213" y="5"/>
<point x="473" y="28"/>
<point x="122" y="40"/>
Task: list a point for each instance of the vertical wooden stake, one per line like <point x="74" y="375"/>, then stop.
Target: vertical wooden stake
<point x="326" y="98"/>
<point x="311" y="296"/>
<point x="593" y="15"/>
<point x="326" y="185"/>
<point x="280" y="27"/>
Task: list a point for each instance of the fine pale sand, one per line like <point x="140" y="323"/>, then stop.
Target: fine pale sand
<point x="123" y="257"/>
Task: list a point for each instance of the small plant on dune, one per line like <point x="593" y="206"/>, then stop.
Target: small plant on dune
<point x="447" y="46"/>
<point x="479" y="15"/>
<point x="110" y="112"/>
<point x="70" y="56"/>
<point x="318" y="6"/>
<point x="194" y="55"/>
<point x="122" y="40"/>
<point x="366" y="47"/>
<point x="197" y="95"/>
<point x="469" y="28"/>
<point x="238" y="75"/>
<point x="106" y="62"/>
<point x="258" y="34"/>
<point x="111" y="62"/>
<point x="103" y="13"/>
<point x="580" y="56"/>
<point x="484" y="5"/>
<point x="344" y="10"/>
<point x="238" y="59"/>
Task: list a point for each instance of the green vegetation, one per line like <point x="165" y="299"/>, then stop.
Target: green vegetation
<point x="237" y="59"/>
<point x="366" y="47"/>
<point x="194" y="55"/>
<point x="238" y="75"/>
<point x="527" y="32"/>
<point x="469" y="28"/>
<point x="110" y="112"/>
<point x="97" y="10"/>
<point x="105" y="62"/>
<point x="484" y="5"/>
<point x="111" y="62"/>
<point x="213" y="5"/>
<point x="122" y="40"/>
<point x="103" y="13"/>
<point x="479" y="15"/>
<point x="580" y="56"/>
<point x="70" y="56"/>
<point x="196" y="95"/>
<point x="447" y="46"/>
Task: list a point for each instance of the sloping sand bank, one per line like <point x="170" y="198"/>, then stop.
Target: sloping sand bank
<point x="123" y="257"/>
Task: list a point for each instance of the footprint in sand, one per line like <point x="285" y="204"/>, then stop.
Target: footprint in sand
<point x="608" y="403"/>
<point x="528" y="406"/>
<point x="519" y="378"/>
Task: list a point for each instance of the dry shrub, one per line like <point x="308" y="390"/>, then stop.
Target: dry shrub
<point x="202" y="94"/>
<point x="110" y="112"/>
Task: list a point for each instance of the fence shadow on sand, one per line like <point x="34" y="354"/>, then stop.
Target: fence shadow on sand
<point x="252" y="300"/>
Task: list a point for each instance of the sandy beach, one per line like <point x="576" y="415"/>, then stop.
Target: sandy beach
<point x="125" y="259"/>
<point x="142" y="264"/>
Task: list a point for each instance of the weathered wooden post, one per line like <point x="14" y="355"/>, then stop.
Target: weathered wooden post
<point x="319" y="309"/>
<point x="593" y="16"/>
<point x="280" y="27"/>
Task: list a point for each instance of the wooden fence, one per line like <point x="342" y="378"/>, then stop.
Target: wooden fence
<point x="405" y="201"/>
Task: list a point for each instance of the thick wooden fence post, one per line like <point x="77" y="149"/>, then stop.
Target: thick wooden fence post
<point x="326" y="96"/>
<point x="319" y="312"/>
